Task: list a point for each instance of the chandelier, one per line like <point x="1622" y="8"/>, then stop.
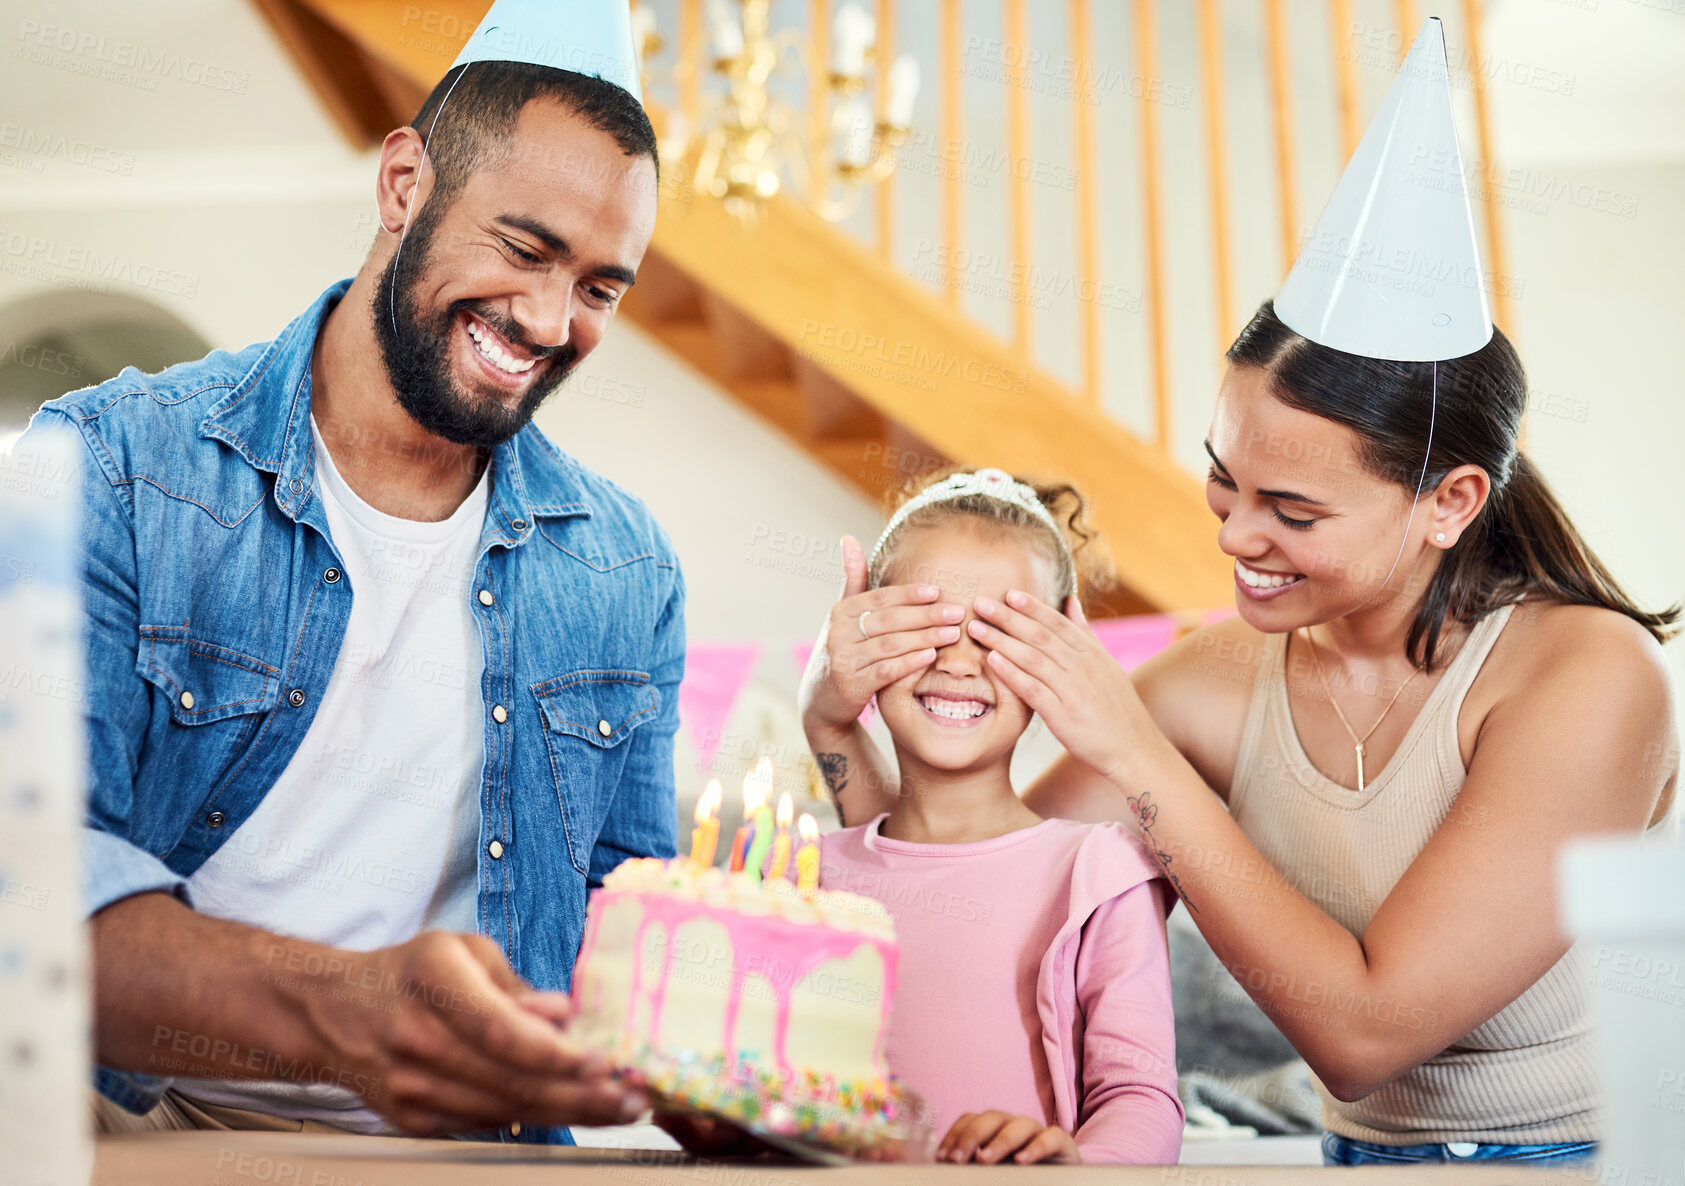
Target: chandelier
<point x="747" y="141"/>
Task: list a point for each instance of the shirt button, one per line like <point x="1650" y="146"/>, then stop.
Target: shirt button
<point x="499" y="713"/>
<point x="216" y="819"/>
<point x="187" y="699"/>
<point x="485" y="597"/>
<point x="604" y="728"/>
<point x="519" y="524"/>
<point x="331" y="576"/>
<point x="296" y="697"/>
<point x="515" y="1129"/>
<point x="496" y="850"/>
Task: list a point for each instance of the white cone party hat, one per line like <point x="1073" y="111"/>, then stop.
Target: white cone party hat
<point x="592" y="37"/>
<point x="1392" y="270"/>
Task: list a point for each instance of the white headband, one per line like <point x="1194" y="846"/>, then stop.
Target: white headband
<point x="992" y="483"/>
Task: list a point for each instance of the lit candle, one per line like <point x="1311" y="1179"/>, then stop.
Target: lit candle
<point x="705" y="838"/>
<point x="757" y="789"/>
<point x="781" y="842"/>
<point x="807" y="856"/>
<point x="757" y="785"/>
<point x="740" y="842"/>
<point x="903" y="90"/>
<point x="853" y="35"/>
<point x="728" y="33"/>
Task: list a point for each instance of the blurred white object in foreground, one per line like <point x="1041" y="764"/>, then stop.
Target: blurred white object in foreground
<point x="44" y="1117"/>
<point x="1625" y="901"/>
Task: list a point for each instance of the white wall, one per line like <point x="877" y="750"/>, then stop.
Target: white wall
<point x="1598" y="331"/>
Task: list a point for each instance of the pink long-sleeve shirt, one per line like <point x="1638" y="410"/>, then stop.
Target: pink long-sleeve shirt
<point x="1034" y="978"/>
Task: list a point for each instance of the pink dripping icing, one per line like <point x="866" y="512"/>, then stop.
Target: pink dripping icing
<point x="751" y="933"/>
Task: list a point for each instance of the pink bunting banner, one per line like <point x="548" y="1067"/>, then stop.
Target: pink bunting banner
<point x="1132" y="641"/>
<point x="715" y="675"/>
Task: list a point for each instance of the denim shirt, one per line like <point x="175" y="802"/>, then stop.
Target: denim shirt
<point x="216" y="605"/>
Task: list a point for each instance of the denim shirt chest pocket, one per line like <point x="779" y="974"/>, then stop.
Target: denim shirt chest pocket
<point x="212" y="697"/>
<point x="589" y="717"/>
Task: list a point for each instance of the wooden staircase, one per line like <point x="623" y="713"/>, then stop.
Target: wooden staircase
<point x="861" y="367"/>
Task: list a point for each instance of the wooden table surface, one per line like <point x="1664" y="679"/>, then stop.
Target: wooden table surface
<point x="271" y="1159"/>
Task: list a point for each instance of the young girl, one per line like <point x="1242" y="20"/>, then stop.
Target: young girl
<point x="1033" y="1012"/>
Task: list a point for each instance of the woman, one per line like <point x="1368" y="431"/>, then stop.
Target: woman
<point x="1402" y="936"/>
<point x="1358" y="786"/>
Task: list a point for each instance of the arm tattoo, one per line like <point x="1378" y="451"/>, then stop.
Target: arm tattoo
<point x="833" y="768"/>
<point x="1146" y="813"/>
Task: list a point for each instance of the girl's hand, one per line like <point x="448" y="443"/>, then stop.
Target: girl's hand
<point x="991" y="1137"/>
<point x="904" y="627"/>
<point x="1053" y="662"/>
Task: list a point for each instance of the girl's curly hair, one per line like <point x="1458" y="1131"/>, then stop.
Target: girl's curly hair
<point x="1063" y="501"/>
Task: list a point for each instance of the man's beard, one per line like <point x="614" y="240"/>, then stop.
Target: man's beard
<point x="417" y="351"/>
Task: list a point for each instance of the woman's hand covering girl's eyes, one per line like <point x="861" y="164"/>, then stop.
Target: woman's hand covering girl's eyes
<point x="905" y="625"/>
<point x="1055" y="664"/>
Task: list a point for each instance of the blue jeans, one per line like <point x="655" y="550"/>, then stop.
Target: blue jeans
<point x="1338" y="1150"/>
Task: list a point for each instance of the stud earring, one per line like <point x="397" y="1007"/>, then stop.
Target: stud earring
<point x="1439" y="537"/>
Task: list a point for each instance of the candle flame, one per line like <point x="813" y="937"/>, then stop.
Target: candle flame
<point x="786" y="810"/>
<point x="809" y="828"/>
<point x="757" y="786"/>
<point x="708" y="803"/>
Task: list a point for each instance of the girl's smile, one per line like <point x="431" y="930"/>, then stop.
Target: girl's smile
<point x="952" y="710"/>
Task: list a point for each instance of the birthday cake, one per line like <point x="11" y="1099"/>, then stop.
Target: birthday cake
<point x="762" y="1003"/>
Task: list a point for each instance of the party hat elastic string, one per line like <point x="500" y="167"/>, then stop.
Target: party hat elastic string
<point x="1433" y="412"/>
<point x="426" y="146"/>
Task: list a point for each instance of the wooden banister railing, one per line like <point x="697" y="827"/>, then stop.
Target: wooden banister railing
<point x="1088" y="261"/>
<point x="1281" y="109"/>
<point x="953" y="124"/>
<point x="1351" y="124"/>
<point x="1273" y="75"/>
<point x="1497" y="257"/>
<point x="1152" y="224"/>
<point x="1133" y="260"/>
<point x="1217" y="169"/>
<point x="886" y="188"/>
<point x="1017" y="149"/>
<point x="1140" y="44"/>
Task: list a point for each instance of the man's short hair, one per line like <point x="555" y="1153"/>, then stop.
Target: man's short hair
<point x="486" y="103"/>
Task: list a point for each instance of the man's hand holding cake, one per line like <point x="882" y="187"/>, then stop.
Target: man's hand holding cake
<point x="437" y="1033"/>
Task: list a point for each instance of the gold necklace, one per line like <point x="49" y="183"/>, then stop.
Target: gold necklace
<point x="1358" y="741"/>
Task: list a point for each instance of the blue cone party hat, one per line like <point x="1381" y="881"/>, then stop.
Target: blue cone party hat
<point x="592" y="37"/>
<point x="1392" y="270"/>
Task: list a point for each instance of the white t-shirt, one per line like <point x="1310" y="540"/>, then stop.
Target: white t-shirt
<point x="371" y="834"/>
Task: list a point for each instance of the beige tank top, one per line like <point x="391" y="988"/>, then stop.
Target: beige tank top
<point x="1526" y="1076"/>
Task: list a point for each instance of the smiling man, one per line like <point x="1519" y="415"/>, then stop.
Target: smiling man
<point x="379" y="680"/>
